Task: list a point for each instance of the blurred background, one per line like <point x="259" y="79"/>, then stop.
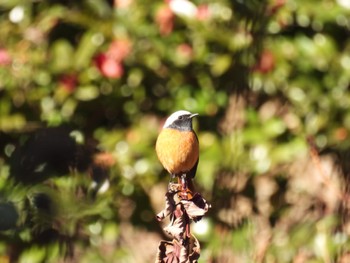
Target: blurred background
<point x="85" y="87"/>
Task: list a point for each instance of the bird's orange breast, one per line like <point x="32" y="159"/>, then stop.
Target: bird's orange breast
<point x="177" y="150"/>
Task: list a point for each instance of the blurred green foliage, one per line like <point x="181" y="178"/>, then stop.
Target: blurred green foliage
<point x="270" y="80"/>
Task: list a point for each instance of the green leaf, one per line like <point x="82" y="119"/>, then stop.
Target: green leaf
<point x="273" y="127"/>
<point x="61" y="56"/>
<point x="34" y="254"/>
<point x="86" y="93"/>
<point x="220" y="64"/>
<point x="86" y="49"/>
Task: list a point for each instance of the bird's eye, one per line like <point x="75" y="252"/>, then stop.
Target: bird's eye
<point x="180" y="117"/>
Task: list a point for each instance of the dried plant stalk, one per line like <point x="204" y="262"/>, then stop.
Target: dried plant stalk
<point x="182" y="211"/>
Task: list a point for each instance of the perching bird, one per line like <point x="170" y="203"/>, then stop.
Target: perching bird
<point x="177" y="148"/>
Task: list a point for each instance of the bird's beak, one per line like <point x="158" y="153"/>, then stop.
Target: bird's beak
<point x="193" y="115"/>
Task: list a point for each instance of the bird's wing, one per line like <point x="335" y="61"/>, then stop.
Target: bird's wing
<point x="192" y="173"/>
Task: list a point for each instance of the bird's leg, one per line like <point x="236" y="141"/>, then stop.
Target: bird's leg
<point x="171" y="182"/>
<point x="183" y="182"/>
<point x="184" y="187"/>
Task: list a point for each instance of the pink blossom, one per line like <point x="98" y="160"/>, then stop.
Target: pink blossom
<point x="203" y="12"/>
<point x="5" y="58"/>
<point x="184" y="50"/>
<point x="68" y="82"/>
<point x="165" y="20"/>
<point x="266" y="62"/>
<point x="119" y="49"/>
<point x="108" y="66"/>
<point x="122" y="3"/>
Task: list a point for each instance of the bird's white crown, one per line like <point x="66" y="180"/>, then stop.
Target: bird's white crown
<point x="173" y="117"/>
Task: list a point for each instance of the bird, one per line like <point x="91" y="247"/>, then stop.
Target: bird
<point x="177" y="148"/>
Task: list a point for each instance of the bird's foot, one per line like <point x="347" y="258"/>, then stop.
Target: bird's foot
<point x="185" y="193"/>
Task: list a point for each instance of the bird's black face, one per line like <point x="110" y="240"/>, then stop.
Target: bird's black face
<point x="182" y="123"/>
